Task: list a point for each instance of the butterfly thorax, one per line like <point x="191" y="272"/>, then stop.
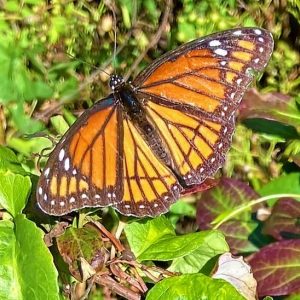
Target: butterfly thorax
<point x="135" y="112"/>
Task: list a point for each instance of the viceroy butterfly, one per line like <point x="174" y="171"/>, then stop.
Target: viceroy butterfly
<point x="168" y="129"/>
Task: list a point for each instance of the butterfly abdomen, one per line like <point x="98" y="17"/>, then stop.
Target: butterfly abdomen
<point x="136" y="113"/>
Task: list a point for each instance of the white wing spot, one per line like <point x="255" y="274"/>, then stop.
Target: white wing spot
<point x="114" y="195"/>
<point x="62" y="203"/>
<point x="84" y="196"/>
<point x="225" y="130"/>
<point x="97" y="196"/>
<point x="220" y="145"/>
<point x="221" y="52"/>
<point x="232" y="95"/>
<point x="238" y="32"/>
<point x="40" y="191"/>
<point x="109" y="195"/>
<point x="201" y="170"/>
<point x="166" y="197"/>
<point x="214" y="43"/>
<point x="155" y="204"/>
<point x="239" y="81"/>
<point x="261" y="39"/>
<point x="261" y="49"/>
<point x="74" y="172"/>
<point x="256" y="60"/>
<point x="72" y="200"/>
<point x="141" y="206"/>
<point x="127" y="206"/>
<point x="257" y="31"/>
<point x="47" y="171"/>
<point x="67" y="164"/>
<point x="189" y="176"/>
<point x="45" y="197"/>
<point x="222" y="114"/>
<point x="225" y="108"/>
<point x="61" y="154"/>
<point x="223" y="63"/>
<point x="52" y="202"/>
<point x="213" y="159"/>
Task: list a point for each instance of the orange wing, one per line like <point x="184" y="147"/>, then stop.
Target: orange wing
<point x="103" y="160"/>
<point x="149" y="186"/>
<point x="84" y="168"/>
<point x="192" y="93"/>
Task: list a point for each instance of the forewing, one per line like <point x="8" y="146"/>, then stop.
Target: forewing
<point x="209" y="74"/>
<point x="83" y="170"/>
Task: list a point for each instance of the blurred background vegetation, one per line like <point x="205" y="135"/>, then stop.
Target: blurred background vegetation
<point x="51" y="53"/>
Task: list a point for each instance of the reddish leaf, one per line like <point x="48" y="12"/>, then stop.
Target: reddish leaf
<point x="227" y="196"/>
<point x="272" y="106"/>
<point x="82" y="249"/>
<point x="197" y="188"/>
<point x="284" y="219"/>
<point x="276" y="268"/>
<point x="237" y="234"/>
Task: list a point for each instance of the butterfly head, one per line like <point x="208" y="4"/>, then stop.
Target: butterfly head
<point x="116" y="81"/>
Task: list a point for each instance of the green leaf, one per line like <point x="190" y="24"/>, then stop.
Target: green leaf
<point x="285" y="184"/>
<point x="210" y="244"/>
<point x="14" y="192"/>
<point x="141" y="235"/>
<point x="24" y="123"/>
<point x="183" y="208"/>
<point x="27" y="270"/>
<point x="42" y="90"/>
<point x="60" y="124"/>
<point x="156" y="240"/>
<point x="191" y="287"/>
<point x="9" y="161"/>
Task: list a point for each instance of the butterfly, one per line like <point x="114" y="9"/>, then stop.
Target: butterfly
<point x="169" y="129"/>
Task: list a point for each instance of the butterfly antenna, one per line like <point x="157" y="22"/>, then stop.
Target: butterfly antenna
<point x="85" y="62"/>
<point x="115" y="40"/>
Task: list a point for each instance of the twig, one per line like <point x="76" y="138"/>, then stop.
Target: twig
<point x="155" y="39"/>
<point x="118" y="233"/>
<point x="119" y="273"/>
<point x="113" y="239"/>
<point x="114" y="286"/>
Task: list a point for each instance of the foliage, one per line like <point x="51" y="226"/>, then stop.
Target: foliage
<point x="51" y="56"/>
